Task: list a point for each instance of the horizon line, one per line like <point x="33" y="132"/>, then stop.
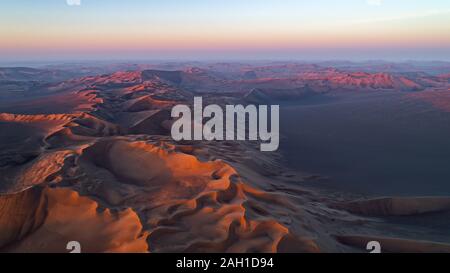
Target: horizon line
<point x="199" y="60"/>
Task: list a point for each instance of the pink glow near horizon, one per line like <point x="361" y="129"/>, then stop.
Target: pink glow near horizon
<point x="91" y="30"/>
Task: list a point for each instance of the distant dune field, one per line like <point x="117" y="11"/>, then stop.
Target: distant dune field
<point x="86" y="155"/>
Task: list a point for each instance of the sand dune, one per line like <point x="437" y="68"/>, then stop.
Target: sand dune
<point x="42" y="169"/>
<point x="67" y="97"/>
<point x="100" y="170"/>
<point x="195" y="206"/>
<point x="23" y="157"/>
<point x="27" y="74"/>
<point x="394" y="206"/>
<point x="20" y="214"/>
<point x="35" y="118"/>
<point x="146" y="103"/>
<point x="438" y="98"/>
<point x="158" y="123"/>
<point x="89" y="125"/>
<point x="170" y="76"/>
<point x="50" y="218"/>
<point x="123" y="78"/>
<point x="264" y="96"/>
<point x="363" y="80"/>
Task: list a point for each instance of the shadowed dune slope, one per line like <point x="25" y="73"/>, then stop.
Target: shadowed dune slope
<point x="395" y="206"/>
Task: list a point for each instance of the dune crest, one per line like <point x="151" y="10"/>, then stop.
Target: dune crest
<point x="146" y="103"/>
<point x="35" y="118"/>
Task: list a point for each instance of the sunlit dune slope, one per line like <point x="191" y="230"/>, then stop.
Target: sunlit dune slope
<point x="45" y="220"/>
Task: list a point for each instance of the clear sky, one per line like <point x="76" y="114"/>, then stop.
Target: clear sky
<point x="224" y="29"/>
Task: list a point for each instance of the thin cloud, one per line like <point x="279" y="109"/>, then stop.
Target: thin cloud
<point x="374" y="2"/>
<point x="405" y="16"/>
<point x="73" y="2"/>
